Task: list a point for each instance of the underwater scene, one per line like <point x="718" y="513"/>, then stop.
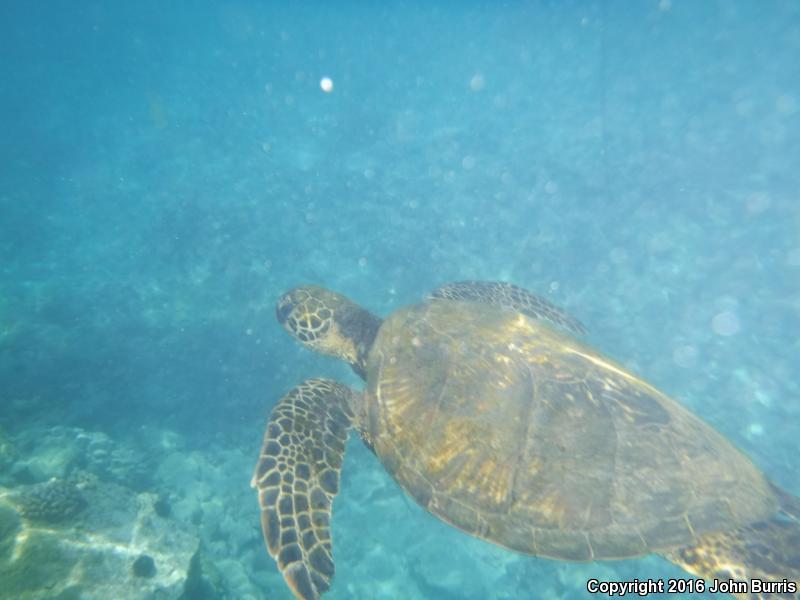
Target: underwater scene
<point x="169" y="171"/>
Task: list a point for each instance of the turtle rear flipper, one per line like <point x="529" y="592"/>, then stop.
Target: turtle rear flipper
<point x="790" y="504"/>
<point x="507" y="295"/>
<point x="768" y="551"/>
<point x="297" y="477"/>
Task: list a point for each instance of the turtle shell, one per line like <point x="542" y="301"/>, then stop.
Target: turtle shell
<point x="520" y="434"/>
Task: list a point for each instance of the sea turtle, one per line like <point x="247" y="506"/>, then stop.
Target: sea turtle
<point x="488" y="410"/>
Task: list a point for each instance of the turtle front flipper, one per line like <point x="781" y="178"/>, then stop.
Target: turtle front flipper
<point x="768" y="552"/>
<point x="500" y="293"/>
<point x="297" y="477"/>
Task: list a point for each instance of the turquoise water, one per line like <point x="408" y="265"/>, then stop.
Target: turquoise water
<point x="167" y="170"/>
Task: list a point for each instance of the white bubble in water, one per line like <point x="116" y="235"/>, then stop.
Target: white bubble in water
<point x="326" y="84"/>
<point x="477" y="83"/>
<point x="755" y="429"/>
<point x="684" y="356"/>
<point x="726" y="323"/>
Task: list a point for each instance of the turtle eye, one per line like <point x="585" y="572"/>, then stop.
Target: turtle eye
<point x="283" y="310"/>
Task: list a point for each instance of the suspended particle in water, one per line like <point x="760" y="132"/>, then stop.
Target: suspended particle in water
<point x="468" y="162"/>
<point x="362" y="262"/>
<point x="757" y="202"/>
<point x="726" y="323"/>
<point x="477" y="83"/>
<point x="618" y="255"/>
<point x="684" y="356"/>
<point x="326" y="84"/>
<point x="793" y="257"/>
<point x="786" y="105"/>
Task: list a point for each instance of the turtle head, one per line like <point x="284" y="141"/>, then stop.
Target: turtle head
<point x="329" y="323"/>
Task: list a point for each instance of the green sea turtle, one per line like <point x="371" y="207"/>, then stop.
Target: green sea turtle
<point x="486" y="408"/>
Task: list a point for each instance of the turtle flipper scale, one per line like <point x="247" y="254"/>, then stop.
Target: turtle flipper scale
<point x="500" y="293"/>
<point x="297" y="477"/>
<point x="768" y="551"/>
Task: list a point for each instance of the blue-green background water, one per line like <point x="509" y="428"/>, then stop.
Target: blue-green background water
<point x="168" y="169"/>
